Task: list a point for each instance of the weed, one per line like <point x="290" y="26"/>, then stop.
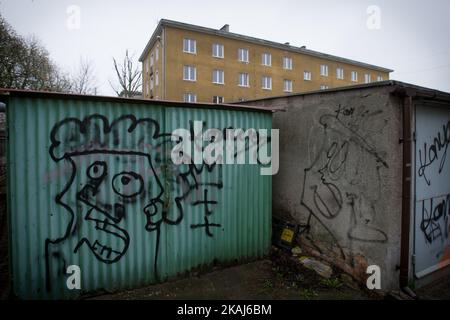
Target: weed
<point x="308" y="294"/>
<point x="268" y="284"/>
<point x="333" y="283"/>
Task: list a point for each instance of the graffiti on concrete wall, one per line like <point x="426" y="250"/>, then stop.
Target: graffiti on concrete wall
<point x="117" y="171"/>
<point x="343" y="180"/>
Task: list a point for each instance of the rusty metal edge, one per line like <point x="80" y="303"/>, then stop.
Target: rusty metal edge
<point x="406" y="191"/>
<point x="165" y="103"/>
<point x="397" y="87"/>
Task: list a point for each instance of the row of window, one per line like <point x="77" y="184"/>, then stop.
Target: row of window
<point x="190" y="46"/>
<point x="192" y="97"/>
<point x="154" y="81"/>
<point x="266" y="82"/>
<point x="218" y="77"/>
<point x="154" y="78"/>
<point x="340" y="74"/>
<point x="153" y="56"/>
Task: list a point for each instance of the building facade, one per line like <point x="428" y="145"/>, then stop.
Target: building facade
<point x="184" y="62"/>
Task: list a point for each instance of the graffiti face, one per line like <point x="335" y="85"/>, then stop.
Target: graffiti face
<point x="344" y="175"/>
<point x="112" y="183"/>
<point x="110" y="189"/>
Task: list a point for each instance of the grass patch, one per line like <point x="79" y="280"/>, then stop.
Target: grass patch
<point x="308" y="294"/>
<point x="332" y="283"/>
<point x="268" y="284"/>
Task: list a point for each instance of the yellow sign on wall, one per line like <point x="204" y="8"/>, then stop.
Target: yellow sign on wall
<point x="287" y="235"/>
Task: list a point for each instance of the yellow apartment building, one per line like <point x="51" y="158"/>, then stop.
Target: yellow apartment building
<point x="184" y="62"/>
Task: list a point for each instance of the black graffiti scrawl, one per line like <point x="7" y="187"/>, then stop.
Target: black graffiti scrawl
<point x="436" y="151"/>
<point x="435" y="218"/>
<point x="345" y="172"/>
<point x="112" y="178"/>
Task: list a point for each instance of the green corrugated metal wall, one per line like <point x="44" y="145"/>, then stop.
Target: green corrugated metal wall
<point x="67" y="165"/>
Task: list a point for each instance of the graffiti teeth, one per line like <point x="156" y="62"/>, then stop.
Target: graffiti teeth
<point x="100" y="225"/>
<point x="105" y="252"/>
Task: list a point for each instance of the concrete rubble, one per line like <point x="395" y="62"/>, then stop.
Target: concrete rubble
<point x="320" y="268"/>
<point x="296" y="251"/>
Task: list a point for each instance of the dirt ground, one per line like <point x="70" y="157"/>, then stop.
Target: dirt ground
<point x="277" y="277"/>
<point x="4" y="271"/>
<point x="439" y="290"/>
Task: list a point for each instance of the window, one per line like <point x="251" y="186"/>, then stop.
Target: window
<point x="323" y="87"/>
<point x="379" y="78"/>
<point x="324" y="70"/>
<point x="243" y="80"/>
<point x="266" y="59"/>
<point x="218" y="99"/>
<point x="243" y="55"/>
<point x="267" y="82"/>
<point x="156" y="78"/>
<point x="151" y="83"/>
<point x="287" y="63"/>
<point x="151" y="60"/>
<point x="218" y="76"/>
<point x="190" y="97"/>
<point x="340" y="73"/>
<point x="146" y="66"/>
<point x="157" y="52"/>
<point x="307" y="75"/>
<point x="354" y="76"/>
<point x="287" y="85"/>
<point x="189" y="45"/>
<point x="367" y="78"/>
<point x="189" y="73"/>
<point x="217" y="50"/>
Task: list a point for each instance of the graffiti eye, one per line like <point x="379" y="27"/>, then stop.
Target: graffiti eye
<point x="128" y="184"/>
<point x="97" y="170"/>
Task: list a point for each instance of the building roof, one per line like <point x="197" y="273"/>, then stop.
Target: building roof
<point x="397" y="86"/>
<point x="226" y="34"/>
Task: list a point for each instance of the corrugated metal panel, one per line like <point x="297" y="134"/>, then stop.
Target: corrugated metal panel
<point x="91" y="184"/>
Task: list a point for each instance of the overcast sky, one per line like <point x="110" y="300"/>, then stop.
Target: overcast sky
<point x="412" y="37"/>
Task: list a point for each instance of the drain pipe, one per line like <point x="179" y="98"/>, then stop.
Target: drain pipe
<point x="406" y="191"/>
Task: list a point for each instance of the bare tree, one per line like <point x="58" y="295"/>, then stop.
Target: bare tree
<point x="60" y="81"/>
<point x="84" y="82"/>
<point x="129" y="77"/>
